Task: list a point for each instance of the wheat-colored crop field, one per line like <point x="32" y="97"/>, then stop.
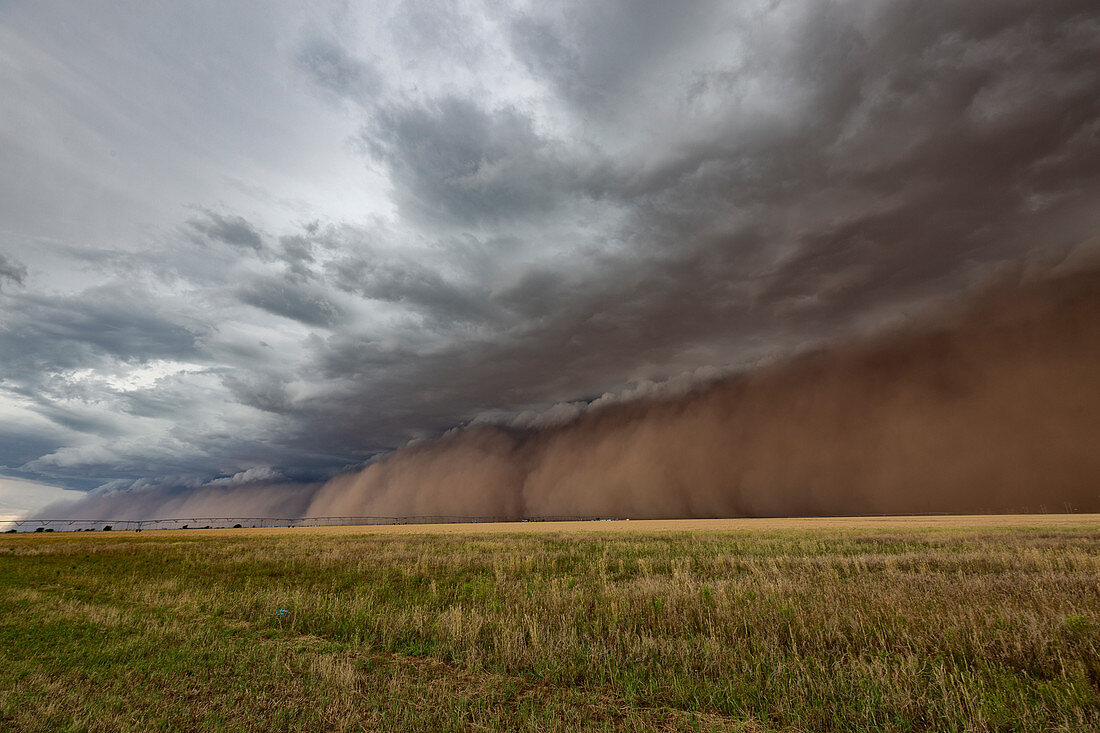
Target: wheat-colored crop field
<point x="901" y="623"/>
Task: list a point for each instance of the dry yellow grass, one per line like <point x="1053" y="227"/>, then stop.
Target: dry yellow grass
<point x="895" y="623"/>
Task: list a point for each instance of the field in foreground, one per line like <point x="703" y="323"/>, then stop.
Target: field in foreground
<point x="872" y="625"/>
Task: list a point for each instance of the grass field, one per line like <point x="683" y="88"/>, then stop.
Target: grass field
<point x="939" y="624"/>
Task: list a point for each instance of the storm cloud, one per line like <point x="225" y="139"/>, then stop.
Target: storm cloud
<point x="993" y="409"/>
<point x="990" y="406"/>
<point x="300" y="240"/>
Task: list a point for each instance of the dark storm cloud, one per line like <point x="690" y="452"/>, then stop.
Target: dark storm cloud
<point x="897" y="133"/>
<point x="993" y="409"/>
<point x="908" y="131"/>
<point x="847" y="164"/>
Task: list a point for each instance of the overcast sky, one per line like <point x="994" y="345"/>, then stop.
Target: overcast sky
<point x="248" y="236"/>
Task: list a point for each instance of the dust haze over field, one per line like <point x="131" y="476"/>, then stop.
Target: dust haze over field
<point x="998" y="409"/>
<point x="512" y="259"/>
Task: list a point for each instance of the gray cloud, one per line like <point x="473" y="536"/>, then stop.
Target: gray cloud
<point x="429" y="37"/>
<point x="451" y="158"/>
<point x="598" y="58"/>
<point x="297" y="253"/>
<point x="232" y="230"/>
<point x="293" y="299"/>
<point x="414" y="286"/>
<point x="111" y="321"/>
<point x="263" y="391"/>
<point x="11" y="271"/>
<point x="337" y="72"/>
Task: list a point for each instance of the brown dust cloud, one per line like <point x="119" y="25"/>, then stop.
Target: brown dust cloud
<point x="993" y="406"/>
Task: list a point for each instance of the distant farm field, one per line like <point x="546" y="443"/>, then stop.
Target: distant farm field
<point x="898" y="624"/>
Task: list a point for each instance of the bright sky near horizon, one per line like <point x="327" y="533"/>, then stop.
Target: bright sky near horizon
<point x="20" y="498"/>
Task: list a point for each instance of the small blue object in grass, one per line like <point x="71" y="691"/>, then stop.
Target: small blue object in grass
<point x="282" y="612"/>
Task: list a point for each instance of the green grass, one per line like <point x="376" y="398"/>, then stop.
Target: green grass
<point x="945" y="629"/>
